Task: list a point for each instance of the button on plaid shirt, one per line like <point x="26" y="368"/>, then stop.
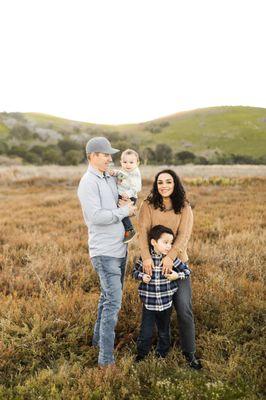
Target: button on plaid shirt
<point x="157" y="294"/>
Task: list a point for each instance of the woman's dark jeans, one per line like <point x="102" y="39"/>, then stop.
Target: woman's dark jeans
<point x="162" y="321"/>
<point x="183" y="305"/>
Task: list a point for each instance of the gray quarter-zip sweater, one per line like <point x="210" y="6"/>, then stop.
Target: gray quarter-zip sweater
<point x="98" y="196"/>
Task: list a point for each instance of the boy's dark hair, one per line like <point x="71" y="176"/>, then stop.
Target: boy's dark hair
<point x="157" y="231"/>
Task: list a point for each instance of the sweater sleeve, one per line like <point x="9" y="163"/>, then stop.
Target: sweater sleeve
<point x="145" y="222"/>
<point x="137" y="271"/>
<point x="183" y="233"/>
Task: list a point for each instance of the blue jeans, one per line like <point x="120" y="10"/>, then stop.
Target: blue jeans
<point x="111" y="272"/>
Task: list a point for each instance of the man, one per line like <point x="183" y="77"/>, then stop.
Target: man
<point x="98" y="196"/>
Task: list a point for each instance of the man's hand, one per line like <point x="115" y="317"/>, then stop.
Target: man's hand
<point x="148" y="266"/>
<point x="146" y="278"/>
<point x="131" y="207"/>
<point x="132" y="210"/>
<point x="122" y="202"/>
<point x="167" y="265"/>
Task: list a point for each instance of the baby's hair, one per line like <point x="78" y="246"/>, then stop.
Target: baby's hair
<point x="157" y="231"/>
<point x="129" y="152"/>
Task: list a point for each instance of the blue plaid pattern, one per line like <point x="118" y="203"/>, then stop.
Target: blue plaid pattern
<point x="157" y="294"/>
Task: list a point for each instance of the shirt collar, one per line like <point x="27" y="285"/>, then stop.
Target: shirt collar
<point x="98" y="173"/>
<point x="154" y="254"/>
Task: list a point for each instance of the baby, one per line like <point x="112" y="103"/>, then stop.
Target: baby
<point x="128" y="184"/>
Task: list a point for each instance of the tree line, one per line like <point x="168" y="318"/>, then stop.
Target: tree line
<point x="70" y="152"/>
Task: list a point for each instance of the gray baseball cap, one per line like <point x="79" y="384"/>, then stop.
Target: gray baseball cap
<point x="100" y="144"/>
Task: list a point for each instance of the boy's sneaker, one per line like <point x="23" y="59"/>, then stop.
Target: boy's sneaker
<point x="129" y="235"/>
<point x="139" y="358"/>
<point x="193" y="361"/>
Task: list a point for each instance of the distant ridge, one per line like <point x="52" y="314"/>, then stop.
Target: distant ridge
<point x="225" y="129"/>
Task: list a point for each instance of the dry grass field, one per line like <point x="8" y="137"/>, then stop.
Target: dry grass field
<point x="49" y="295"/>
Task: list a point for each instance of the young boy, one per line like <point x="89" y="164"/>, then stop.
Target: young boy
<point x="128" y="184"/>
<point x="156" y="293"/>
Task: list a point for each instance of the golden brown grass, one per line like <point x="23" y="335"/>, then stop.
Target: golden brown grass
<point x="49" y="295"/>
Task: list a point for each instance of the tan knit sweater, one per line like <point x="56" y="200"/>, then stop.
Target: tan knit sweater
<point x="181" y="224"/>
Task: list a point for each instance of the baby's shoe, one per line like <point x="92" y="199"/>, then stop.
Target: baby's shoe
<point x="129" y="235"/>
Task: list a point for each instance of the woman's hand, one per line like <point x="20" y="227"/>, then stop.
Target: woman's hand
<point x="148" y="266"/>
<point x="167" y="265"/>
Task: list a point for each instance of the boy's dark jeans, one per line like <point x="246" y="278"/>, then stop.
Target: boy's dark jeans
<point x="126" y="221"/>
<point x="162" y="320"/>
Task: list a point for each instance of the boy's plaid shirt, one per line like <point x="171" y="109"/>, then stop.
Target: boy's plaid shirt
<point x="157" y="294"/>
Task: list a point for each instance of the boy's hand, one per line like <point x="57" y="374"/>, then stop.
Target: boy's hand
<point x="146" y="278"/>
<point x="175" y="275"/>
<point x="148" y="266"/>
<point x="167" y="263"/>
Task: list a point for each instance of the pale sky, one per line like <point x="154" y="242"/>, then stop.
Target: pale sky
<point x="119" y="61"/>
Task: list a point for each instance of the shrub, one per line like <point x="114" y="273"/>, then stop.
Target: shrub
<point x="3" y="148"/>
<point x="20" y="151"/>
<point x="67" y="145"/>
<point x="147" y="156"/>
<point x="163" y="153"/>
<point x="21" y="132"/>
<point x="39" y="150"/>
<point x="33" y="158"/>
<point x="52" y="155"/>
<point x="184" y="157"/>
<point x="73" y="157"/>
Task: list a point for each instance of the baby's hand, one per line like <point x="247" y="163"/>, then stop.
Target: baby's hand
<point x="125" y="196"/>
<point x="175" y="275"/>
<point x="146" y="278"/>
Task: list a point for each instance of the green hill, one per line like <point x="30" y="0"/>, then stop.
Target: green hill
<point x="204" y="132"/>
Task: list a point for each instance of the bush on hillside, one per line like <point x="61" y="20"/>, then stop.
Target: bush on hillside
<point x="73" y="157"/>
<point x="21" y="132"/>
<point x="156" y="127"/>
<point x="66" y="145"/>
<point x="33" y="158"/>
<point x="39" y="150"/>
<point x="52" y="155"/>
<point x="3" y="148"/>
<point x="19" y="151"/>
<point x="163" y="154"/>
<point x="184" y="157"/>
<point x="147" y="156"/>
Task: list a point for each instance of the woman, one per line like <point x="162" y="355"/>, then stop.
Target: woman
<point x="167" y="205"/>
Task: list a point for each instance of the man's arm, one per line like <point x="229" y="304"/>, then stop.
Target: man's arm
<point x="91" y="206"/>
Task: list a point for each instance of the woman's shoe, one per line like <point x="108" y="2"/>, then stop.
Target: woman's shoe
<point x="192" y="360"/>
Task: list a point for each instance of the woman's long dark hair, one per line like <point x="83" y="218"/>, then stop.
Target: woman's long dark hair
<point x="178" y="197"/>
